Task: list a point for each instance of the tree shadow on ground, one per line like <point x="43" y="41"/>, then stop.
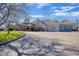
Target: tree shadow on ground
<point x="36" y="46"/>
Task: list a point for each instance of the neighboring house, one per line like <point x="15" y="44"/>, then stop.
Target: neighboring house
<point x="67" y="25"/>
<point x="39" y="24"/>
<point x="50" y="25"/>
<point x="25" y="27"/>
<point x="47" y="25"/>
<point x="77" y="27"/>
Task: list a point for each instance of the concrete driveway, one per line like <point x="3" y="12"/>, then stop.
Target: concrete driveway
<point x="70" y="38"/>
<point x="43" y="44"/>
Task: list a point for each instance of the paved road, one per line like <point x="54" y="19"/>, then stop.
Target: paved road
<point x="37" y="46"/>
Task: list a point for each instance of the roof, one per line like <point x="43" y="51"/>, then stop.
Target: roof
<point x="67" y="22"/>
<point x="44" y="23"/>
<point x="26" y="24"/>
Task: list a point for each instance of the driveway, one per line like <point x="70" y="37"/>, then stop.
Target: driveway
<point x="43" y="44"/>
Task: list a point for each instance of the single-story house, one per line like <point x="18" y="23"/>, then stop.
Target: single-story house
<point x="50" y="25"/>
<point x="66" y="25"/>
<point x="47" y="25"/>
<point x="25" y="27"/>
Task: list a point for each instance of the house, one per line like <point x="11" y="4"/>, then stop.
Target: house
<point x="25" y="27"/>
<point x="77" y="27"/>
<point x="50" y="25"/>
<point x="67" y="25"/>
<point x="47" y="25"/>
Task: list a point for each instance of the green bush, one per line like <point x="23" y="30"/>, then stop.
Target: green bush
<point x="7" y="37"/>
<point x="1" y="29"/>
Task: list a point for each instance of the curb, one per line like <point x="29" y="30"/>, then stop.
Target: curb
<point x="4" y="43"/>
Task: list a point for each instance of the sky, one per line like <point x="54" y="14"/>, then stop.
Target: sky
<point x="54" y="11"/>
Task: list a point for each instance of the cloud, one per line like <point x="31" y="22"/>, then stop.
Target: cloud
<point x="67" y="8"/>
<point x="36" y="16"/>
<point x="65" y="14"/>
<point x="63" y="9"/>
<point x="74" y="13"/>
<point x="40" y="5"/>
<point x="60" y="14"/>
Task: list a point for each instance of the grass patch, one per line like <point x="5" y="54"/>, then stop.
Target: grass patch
<point x="4" y="37"/>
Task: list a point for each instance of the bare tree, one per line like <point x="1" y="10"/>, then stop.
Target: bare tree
<point x="77" y="20"/>
<point x="46" y="26"/>
<point x="3" y="14"/>
<point x="11" y="11"/>
<point x="27" y="20"/>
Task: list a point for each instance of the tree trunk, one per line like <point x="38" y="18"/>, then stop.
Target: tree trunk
<point x="7" y="28"/>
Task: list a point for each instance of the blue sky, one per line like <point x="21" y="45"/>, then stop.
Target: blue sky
<point x="54" y="11"/>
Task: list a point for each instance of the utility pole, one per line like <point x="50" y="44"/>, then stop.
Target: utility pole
<point x="77" y="20"/>
<point x="77" y="23"/>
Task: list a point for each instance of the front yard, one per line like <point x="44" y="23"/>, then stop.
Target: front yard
<point x="4" y="37"/>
